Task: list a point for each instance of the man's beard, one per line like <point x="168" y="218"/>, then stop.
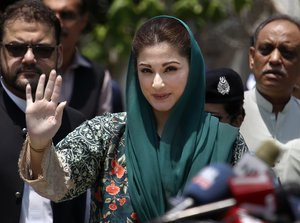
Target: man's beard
<point x="17" y="83"/>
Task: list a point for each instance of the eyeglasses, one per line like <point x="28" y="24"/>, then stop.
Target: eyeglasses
<point x="39" y="50"/>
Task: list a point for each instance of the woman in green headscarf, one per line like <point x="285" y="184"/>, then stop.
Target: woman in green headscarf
<point x="134" y="161"/>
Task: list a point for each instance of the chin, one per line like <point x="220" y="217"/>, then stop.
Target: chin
<point x="162" y="110"/>
<point x="32" y="81"/>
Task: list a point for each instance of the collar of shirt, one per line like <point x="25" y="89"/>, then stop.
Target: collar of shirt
<point x="21" y="103"/>
<point x="265" y="104"/>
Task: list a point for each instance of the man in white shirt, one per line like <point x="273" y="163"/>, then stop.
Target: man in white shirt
<point x="271" y="110"/>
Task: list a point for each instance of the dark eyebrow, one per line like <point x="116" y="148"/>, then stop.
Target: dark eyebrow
<point x="143" y="64"/>
<point x="170" y="62"/>
<point x="164" y="64"/>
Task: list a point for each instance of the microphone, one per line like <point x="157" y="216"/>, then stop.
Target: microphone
<point x="256" y="188"/>
<point x="209" y="185"/>
<point x="213" y="211"/>
<point x="253" y="186"/>
<point x="264" y="158"/>
<point x="261" y="162"/>
<point x="253" y="199"/>
<point x="264" y="201"/>
<point x="268" y="152"/>
<point x="256" y="194"/>
<point x="240" y="215"/>
<point x="218" y="187"/>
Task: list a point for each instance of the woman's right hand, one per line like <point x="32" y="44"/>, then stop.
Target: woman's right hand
<point x="43" y="111"/>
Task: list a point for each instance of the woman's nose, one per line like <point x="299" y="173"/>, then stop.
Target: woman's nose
<point x="158" y="81"/>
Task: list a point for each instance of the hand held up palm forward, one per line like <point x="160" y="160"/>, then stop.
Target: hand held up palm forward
<point x="44" y="112"/>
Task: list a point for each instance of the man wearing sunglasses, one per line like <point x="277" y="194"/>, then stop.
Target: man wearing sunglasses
<point x="29" y="46"/>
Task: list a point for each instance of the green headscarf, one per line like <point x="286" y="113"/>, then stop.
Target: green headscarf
<point x="191" y="139"/>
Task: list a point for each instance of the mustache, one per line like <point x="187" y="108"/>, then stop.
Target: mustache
<point x="29" y="68"/>
<point x="274" y="71"/>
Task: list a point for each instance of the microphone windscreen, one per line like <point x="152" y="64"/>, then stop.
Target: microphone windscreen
<point x="260" y="163"/>
<point x="210" y="184"/>
<point x="268" y="152"/>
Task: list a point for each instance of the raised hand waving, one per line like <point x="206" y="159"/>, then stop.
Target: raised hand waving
<point x="43" y="111"/>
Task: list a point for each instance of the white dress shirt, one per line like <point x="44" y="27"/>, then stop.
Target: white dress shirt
<point x="261" y="124"/>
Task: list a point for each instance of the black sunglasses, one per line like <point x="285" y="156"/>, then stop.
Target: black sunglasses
<point x="39" y="50"/>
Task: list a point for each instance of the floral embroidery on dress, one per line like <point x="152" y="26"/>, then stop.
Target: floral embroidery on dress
<point x="93" y="156"/>
<point x="104" y="168"/>
<point x="117" y="169"/>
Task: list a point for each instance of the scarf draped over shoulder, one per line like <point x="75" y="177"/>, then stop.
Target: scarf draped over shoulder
<point x="160" y="168"/>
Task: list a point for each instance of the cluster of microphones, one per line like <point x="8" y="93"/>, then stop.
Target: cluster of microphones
<point x="249" y="192"/>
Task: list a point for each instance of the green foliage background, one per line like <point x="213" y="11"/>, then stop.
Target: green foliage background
<point x="114" y="22"/>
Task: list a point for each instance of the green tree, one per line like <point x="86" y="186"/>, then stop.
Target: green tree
<point x="114" y="22"/>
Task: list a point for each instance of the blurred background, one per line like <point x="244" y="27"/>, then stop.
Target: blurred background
<point x="222" y="28"/>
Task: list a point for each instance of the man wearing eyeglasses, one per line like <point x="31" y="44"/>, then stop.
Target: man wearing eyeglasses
<point x="29" y="46"/>
<point x="87" y="86"/>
